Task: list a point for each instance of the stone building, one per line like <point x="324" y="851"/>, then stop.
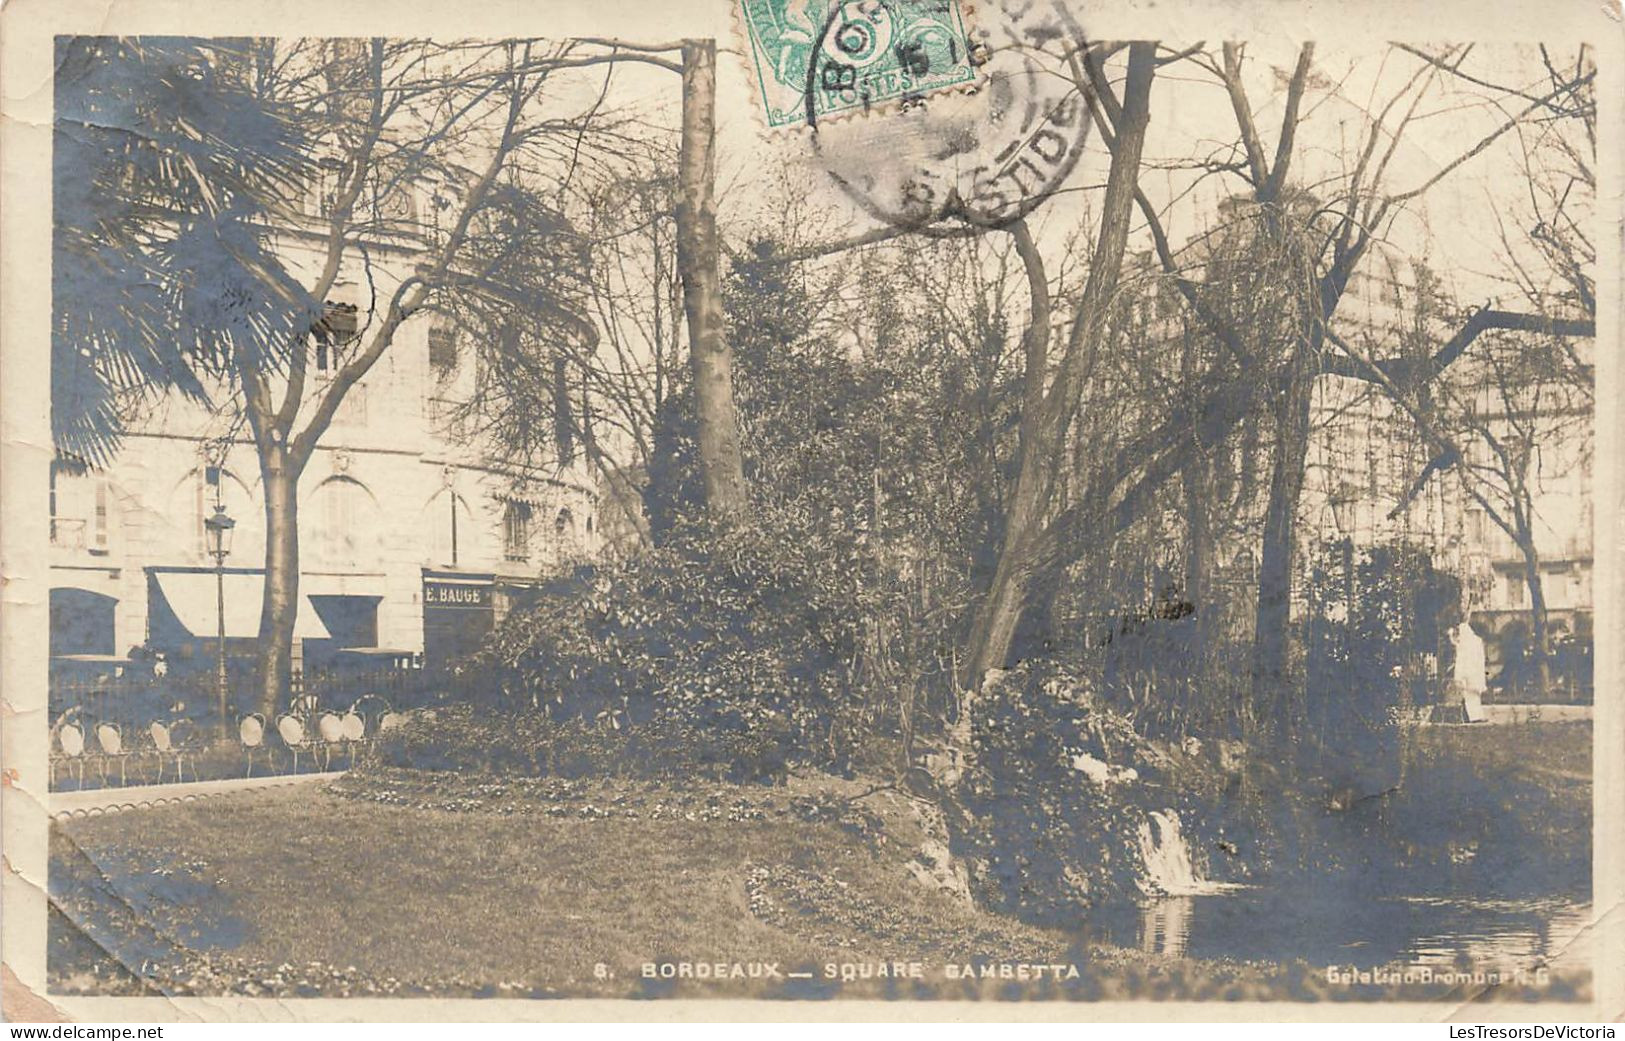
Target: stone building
<point x="415" y="537"/>
<point x="1369" y="462"/>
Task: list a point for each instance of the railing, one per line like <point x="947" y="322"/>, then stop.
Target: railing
<point x="137" y="696"/>
<point x="338" y="687"/>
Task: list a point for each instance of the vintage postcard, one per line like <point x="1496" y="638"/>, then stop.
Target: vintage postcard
<point x="1045" y="508"/>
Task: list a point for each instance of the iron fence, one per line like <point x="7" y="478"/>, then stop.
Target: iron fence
<point x="134" y="695"/>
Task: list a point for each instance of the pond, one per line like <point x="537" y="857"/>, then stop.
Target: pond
<point x="1344" y="927"/>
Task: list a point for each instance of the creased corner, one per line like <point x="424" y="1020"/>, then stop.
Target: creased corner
<point x="19" y="1004"/>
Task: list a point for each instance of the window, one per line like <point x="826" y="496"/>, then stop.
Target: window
<point x="344" y="507"/>
<point x="1515" y="591"/>
<point x="98" y="543"/>
<point x="1475" y="527"/>
<point x="55" y="468"/>
<point x="324" y="193"/>
<point x="516" y="531"/>
<point x="442" y="350"/>
<point x="80" y="504"/>
<point x="565" y="524"/>
<point x="336" y="331"/>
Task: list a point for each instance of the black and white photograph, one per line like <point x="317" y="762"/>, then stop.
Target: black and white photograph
<point x="812" y="501"/>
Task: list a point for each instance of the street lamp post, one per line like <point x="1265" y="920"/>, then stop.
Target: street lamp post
<point x="218" y="531"/>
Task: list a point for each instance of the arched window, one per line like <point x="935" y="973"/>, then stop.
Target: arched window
<point x="565" y="524"/>
<point x="516" y="531"/>
<point x="343" y="509"/>
<point x="450" y="525"/>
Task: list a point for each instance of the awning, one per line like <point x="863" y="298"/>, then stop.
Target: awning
<point x="192" y="597"/>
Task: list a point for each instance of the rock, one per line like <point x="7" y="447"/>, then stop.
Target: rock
<point x="1232" y="756"/>
<point x="933" y="864"/>
<point x="1103" y="773"/>
<point x="1092" y="768"/>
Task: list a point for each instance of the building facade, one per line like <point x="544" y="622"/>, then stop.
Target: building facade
<point x="415" y="537"/>
<point x="1369" y="462"/>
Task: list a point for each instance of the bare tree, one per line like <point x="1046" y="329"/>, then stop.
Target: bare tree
<point x="1332" y="232"/>
<point x="1048" y="411"/>
<point x="553" y="394"/>
<point x="699" y="263"/>
<point x="392" y="116"/>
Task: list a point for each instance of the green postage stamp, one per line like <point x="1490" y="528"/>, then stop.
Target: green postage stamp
<point x="816" y="58"/>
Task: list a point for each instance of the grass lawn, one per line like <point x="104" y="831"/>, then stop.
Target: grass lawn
<point x="403" y="883"/>
<point x="514" y="896"/>
<point x="1558" y="751"/>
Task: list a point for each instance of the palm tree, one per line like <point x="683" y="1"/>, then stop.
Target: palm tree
<point x="165" y="164"/>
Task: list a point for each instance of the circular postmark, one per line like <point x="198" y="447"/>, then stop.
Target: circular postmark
<point x="985" y="155"/>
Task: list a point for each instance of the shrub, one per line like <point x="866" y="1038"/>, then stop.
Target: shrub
<point x="1044" y="841"/>
<point x="469" y="739"/>
<point x="729" y="651"/>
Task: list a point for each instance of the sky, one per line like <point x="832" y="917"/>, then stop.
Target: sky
<point x="1453" y="227"/>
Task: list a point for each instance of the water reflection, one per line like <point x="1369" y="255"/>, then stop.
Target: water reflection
<point x="1342" y="928"/>
<point x="1495" y="933"/>
<point x="1165" y="925"/>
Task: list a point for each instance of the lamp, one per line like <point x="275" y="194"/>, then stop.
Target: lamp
<point x="217" y="530"/>
<point x="217" y="533"/>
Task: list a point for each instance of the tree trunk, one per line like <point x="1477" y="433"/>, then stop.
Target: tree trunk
<point x="1000" y="614"/>
<point x="721" y="462"/>
<point x="1273" y="615"/>
<point x="279" y="608"/>
<point x="1537" y="616"/>
<point x="1195" y="477"/>
<point x="1198" y="544"/>
<point x="1045" y="419"/>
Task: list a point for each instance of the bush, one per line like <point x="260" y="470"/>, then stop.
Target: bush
<point x="729" y="651"/>
<point x="468" y="739"/>
<point x="1043" y="839"/>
